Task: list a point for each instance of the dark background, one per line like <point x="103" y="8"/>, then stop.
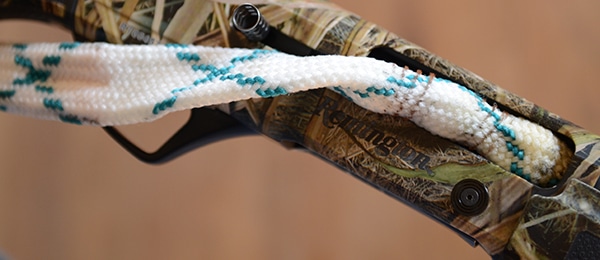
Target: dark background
<point x="69" y="192"/>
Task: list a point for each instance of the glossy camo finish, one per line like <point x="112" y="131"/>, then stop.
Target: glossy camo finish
<point x="413" y="166"/>
<point x="395" y="156"/>
<point x="550" y="221"/>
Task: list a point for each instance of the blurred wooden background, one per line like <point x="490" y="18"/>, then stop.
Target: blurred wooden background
<point x="69" y="192"/>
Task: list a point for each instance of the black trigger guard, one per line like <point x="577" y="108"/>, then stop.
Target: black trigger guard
<point x="203" y="127"/>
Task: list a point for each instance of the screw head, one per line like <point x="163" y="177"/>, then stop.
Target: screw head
<point x="469" y="197"/>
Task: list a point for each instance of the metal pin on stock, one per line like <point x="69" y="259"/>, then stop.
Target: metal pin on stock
<point x="248" y="20"/>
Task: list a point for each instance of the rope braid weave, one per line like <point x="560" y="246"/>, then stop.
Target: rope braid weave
<point x="103" y="84"/>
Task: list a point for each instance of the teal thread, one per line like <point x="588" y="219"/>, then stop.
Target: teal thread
<point x="376" y="91"/>
<point x="496" y="116"/>
<point x="176" y="45"/>
<point x="72" y="119"/>
<point x="408" y="82"/>
<point x="68" y="45"/>
<point x="54" y="104"/>
<point x="51" y="60"/>
<point x="513" y="167"/>
<point x="404" y="82"/>
<point x="232" y="77"/>
<point x="23" y="62"/>
<point x="267" y="93"/>
<point x="515" y="150"/>
<point x="360" y="94"/>
<point x="32" y="75"/>
<point x="510" y="135"/>
<point x="338" y="89"/>
<point x="186" y="56"/>
<point x="175" y="91"/>
<point x="162" y="106"/>
<point x="212" y="72"/>
<point x="3" y="108"/>
<point x="520" y="154"/>
<point x="446" y="81"/>
<point x="44" y="89"/>
<point x="255" y="54"/>
<point x="6" y="94"/>
<point x="423" y="79"/>
<point x="20" y="46"/>
<point x="506" y="131"/>
<point x="251" y="81"/>
<point x="411" y="76"/>
<point x="225" y="74"/>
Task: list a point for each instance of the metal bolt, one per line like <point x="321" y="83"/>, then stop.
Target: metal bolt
<point x="469" y="197"/>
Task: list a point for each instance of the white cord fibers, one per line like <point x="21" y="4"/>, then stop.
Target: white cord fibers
<point x="103" y="84"/>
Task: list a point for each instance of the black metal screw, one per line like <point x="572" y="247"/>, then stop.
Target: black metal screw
<point x="469" y="197"/>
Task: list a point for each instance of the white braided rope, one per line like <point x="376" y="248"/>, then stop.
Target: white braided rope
<point x="107" y="84"/>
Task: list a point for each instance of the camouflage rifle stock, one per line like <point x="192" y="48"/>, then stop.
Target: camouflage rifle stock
<point x="503" y="213"/>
